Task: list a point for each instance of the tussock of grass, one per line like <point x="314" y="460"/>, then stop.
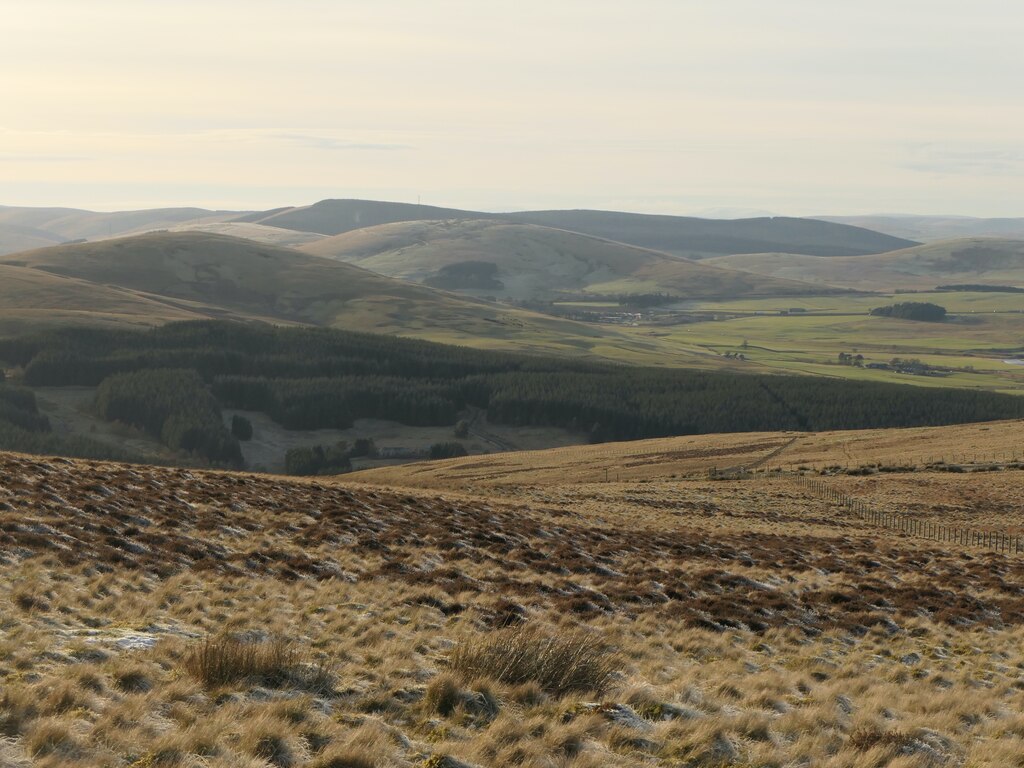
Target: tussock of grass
<point x="225" y="660"/>
<point x="49" y="736"/>
<point x="560" y="663"/>
<point x="864" y="739"/>
<point x="442" y="695"/>
<point x="345" y="757"/>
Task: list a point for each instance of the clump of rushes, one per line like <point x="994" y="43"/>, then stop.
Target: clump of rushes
<point x="560" y="663"/>
<point x="226" y="660"/>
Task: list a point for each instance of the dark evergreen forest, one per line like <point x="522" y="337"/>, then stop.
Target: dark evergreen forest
<point x="173" y="381"/>
<point x="923" y="311"/>
<point x="23" y="428"/>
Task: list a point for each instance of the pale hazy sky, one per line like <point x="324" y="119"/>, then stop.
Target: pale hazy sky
<point x="674" y="106"/>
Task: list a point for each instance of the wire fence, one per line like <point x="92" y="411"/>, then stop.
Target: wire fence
<point x="999" y="541"/>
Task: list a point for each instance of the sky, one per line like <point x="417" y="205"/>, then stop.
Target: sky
<point x="797" y="107"/>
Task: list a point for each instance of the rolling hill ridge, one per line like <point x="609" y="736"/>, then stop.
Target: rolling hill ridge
<point x="932" y="228"/>
<point x="155" y="278"/>
<point x="487" y="257"/>
<point x="679" y="235"/>
<point x="982" y="260"/>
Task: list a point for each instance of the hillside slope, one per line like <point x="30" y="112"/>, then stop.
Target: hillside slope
<point x="525" y="261"/>
<point x="931" y="228"/>
<point x="14" y="238"/>
<point x="62" y="224"/>
<point x="260" y="233"/>
<point x="241" y="278"/>
<point x="697" y="238"/>
<point x="162" y="617"/>
<point x="31" y="299"/>
<point x="678" y="235"/>
<point x="666" y="458"/>
<point x="991" y="261"/>
<point x="332" y="217"/>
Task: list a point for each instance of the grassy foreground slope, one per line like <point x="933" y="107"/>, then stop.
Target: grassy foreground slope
<point x="534" y="262"/>
<point x="992" y="261"/>
<point x="184" y="618"/>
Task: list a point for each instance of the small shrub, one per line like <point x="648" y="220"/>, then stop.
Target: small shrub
<point x="560" y="664"/>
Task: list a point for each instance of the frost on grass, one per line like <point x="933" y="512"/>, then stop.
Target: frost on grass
<point x="267" y="623"/>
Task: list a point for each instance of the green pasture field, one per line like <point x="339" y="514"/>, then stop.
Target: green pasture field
<point x="984" y="329"/>
<point x="954" y="302"/>
<point x="588" y="304"/>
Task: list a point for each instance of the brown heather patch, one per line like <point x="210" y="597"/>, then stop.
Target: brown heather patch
<point x="750" y="624"/>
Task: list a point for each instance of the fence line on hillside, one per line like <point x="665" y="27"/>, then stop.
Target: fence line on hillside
<point x="997" y="541"/>
<point x="1001" y="542"/>
<point x="965" y="459"/>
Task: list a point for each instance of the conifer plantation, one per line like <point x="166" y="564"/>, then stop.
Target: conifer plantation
<point x="173" y="381"/>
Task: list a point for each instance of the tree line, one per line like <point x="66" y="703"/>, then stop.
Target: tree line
<point x="923" y="311"/>
<point x="173" y="381"/>
<point x="24" y="429"/>
<point x="174" y="406"/>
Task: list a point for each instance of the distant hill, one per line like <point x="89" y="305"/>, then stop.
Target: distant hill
<point x="931" y="228"/>
<point x="31" y="299"/>
<point x="697" y="238"/>
<point x="57" y="225"/>
<point x="333" y="217"/>
<point x="14" y="238"/>
<point x="978" y="260"/>
<point x="679" y="235"/>
<point x="487" y="257"/>
<point x="163" y="276"/>
<point x="287" y="238"/>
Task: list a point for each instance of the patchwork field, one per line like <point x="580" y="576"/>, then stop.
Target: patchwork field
<point x="984" y="330"/>
<point x="525" y="612"/>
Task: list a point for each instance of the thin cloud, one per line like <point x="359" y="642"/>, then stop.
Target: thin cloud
<point x="330" y="144"/>
<point x="26" y="158"/>
<point x="988" y="162"/>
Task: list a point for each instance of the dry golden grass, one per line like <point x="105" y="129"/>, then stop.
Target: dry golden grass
<point x="557" y="663"/>
<point x="673" y="458"/>
<point x="744" y="623"/>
